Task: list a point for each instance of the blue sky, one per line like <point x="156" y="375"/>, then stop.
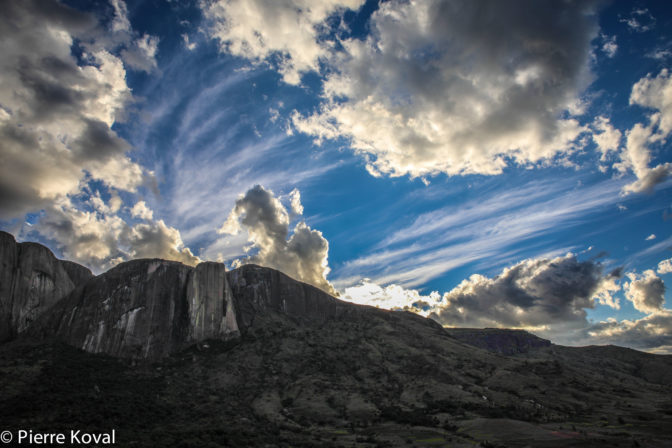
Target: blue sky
<point x="481" y="163"/>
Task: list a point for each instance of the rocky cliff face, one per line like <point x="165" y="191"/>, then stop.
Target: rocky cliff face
<point x="32" y="280"/>
<point x="145" y="309"/>
<point x="258" y="291"/>
<point x="151" y="308"/>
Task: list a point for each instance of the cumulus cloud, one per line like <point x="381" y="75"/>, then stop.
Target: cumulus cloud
<point x="653" y="93"/>
<point x="435" y="88"/>
<point x="292" y="32"/>
<point x="645" y="291"/>
<point x="140" y="210"/>
<point x="57" y="111"/>
<point x="651" y="333"/>
<point x="391" y="297"/>
<point x="606" y="137"/>
<point x="537" y="293"/>
<point x="295" y="202"/>
<point x="548" y="296"/>
<point x="650" y="237"/>
<point x="540" y="294"/>
<point x="302" y="255"/>
<point x="100" y="239"/>
<point x="665" y="266"/>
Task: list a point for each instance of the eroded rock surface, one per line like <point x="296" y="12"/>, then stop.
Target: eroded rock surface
<point x="32" y="280"/>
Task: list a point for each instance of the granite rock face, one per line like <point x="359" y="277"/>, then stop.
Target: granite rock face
<point x="137" y="309"/>
<point x="258" y="291"/>
<point x="149" y="309"/>
<point x="32" y="280"/>
<point x="211" y="309"/>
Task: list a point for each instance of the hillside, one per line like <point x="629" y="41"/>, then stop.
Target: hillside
<point x="297" y="367"/>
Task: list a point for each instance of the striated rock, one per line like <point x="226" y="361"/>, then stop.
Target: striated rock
<point x="32" y="280"/>
<point x="152" y="308"/>
<point x="499" y="340"/>
<point x="258" y="290"/>
<point x="211" y="309"/>
<point x="137" y="309"/>
<point x="145" y="309"/>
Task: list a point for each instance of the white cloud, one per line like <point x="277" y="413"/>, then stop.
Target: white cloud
<point x="295" y="202"/>
<point x="100" y="239"/>
<point x="140" y="53"/>
<point x="58" y="111"/>
<point x="488" y="229"/>
<point x="646" y="291"/>
<point x="640" y="20"/>
<point x="650" y="237"/>
<point x="391" y="297"/>
<point x="292" y="31"/>
<point x="435" y="88"/>
<point x="607" y="138"/>
<point x="189" y="45"/>
<point x="609" y="46"/>
<point x="665" y="266"/>
<point x="654" y="93"/>
<point x="140" y="210"/>
<point x="652" y="333"/>
<point x="302" y="255"/>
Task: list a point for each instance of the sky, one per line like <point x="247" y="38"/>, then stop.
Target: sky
<point x="482" y="163"/>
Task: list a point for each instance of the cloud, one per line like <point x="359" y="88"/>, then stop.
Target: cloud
<point x="140" y="210"/>
<point x="57" y="111"/>
<point x="391" y="297"/>
<point x="291" y="34"/>
<point x="640" y="20"/>
<point x="548" y="296"/>
<point x="650" y="237"/>
<point x="665" y="266"/>
<point x="302" y="255"/>
<point x="606" y="137"/>
<point x="141" y="53"/>
<point x="137" y="51"/>
<point x="295" y="202"/>
<point x="653" y="93"/>
<point x="489" y="229"/>
<point x="100" y="239"/>
<point x="436" y="89"/>
<point x="537" y="293"/>
<point x="646" y="291"/>
<point x="609" y="46"/>
<point x="652" y="333"/>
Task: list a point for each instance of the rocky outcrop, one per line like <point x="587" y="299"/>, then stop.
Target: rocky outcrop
<point x="499" y="340"/>
<point x="32" y="280"/>
<point x="151" y="308"/>
<point x="145" y="309"/>
<point x="258" y="290"/>
<point x="211" y="309"/>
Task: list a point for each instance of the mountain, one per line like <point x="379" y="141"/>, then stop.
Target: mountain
<point x="170" y="355"/>
<point x="32" y="280"/>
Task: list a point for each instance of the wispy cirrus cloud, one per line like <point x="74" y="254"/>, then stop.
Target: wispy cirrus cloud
<point x="451" y="237"/>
